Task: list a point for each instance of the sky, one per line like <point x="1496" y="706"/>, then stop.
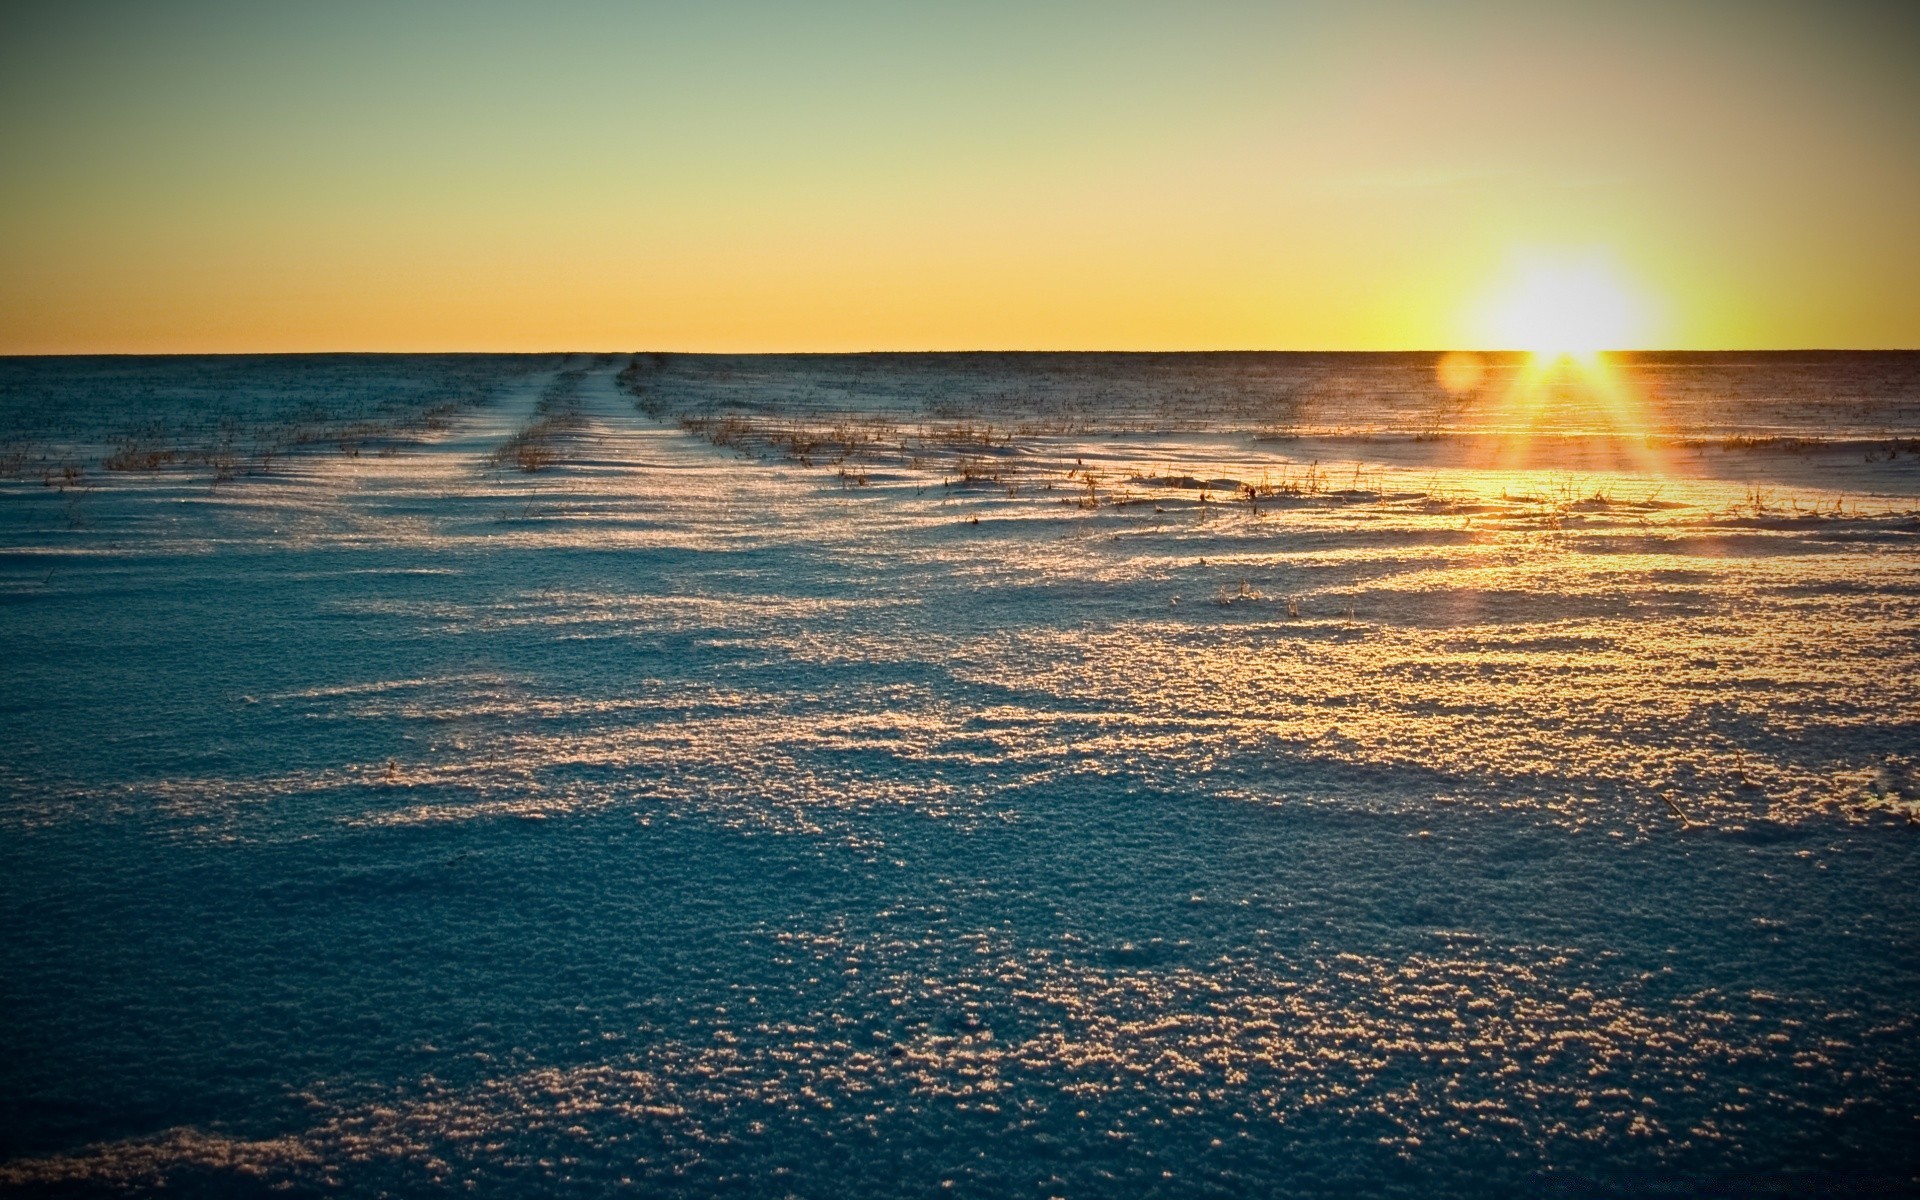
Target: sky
<point x="211" y="177"/>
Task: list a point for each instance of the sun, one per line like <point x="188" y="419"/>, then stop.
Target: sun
<point x="1566" y="308"/>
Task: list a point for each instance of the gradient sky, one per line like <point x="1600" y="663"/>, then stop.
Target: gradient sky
<point x="786" y="176"/>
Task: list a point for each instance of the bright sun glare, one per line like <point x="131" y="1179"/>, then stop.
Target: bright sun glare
<point x="1566" y="308"/>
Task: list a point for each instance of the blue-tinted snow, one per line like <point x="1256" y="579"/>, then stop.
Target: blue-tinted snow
<point x="974" y="775"/>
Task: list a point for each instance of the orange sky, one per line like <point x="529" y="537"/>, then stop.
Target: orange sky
<point x="223" y="177"/>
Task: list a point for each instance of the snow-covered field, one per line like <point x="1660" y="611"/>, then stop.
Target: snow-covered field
<point x="1067" y="775"/>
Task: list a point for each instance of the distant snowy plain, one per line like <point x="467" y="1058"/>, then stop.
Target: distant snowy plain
<point x="1050" y="775"/>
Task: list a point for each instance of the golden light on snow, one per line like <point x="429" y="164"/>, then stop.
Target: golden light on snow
<point x="1461" y="371"/>
<point x="1555" y="399"/>
<point x="1566" y="308"/>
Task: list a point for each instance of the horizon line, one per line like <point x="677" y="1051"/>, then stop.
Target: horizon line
<point x="950" y="351"/>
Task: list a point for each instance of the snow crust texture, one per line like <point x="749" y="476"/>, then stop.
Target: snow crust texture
<point x="1051" y="775"/>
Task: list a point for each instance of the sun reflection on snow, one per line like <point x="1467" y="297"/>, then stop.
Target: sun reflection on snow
<point x="1562" y="408"/>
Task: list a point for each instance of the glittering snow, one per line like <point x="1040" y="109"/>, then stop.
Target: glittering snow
<point x="1067" y="775"/>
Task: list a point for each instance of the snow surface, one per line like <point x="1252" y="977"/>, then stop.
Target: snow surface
<point x="962" y="774"/>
